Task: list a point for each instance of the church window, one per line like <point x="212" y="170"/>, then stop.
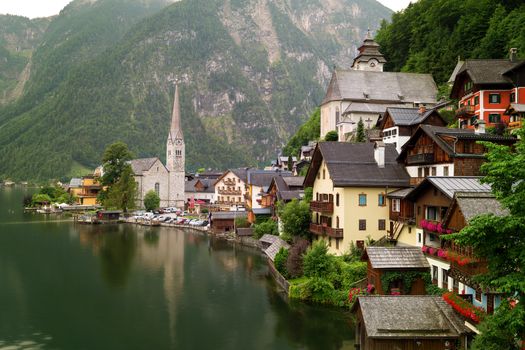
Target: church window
<point x="157" y="188"/>
<point x="169" y="153"/>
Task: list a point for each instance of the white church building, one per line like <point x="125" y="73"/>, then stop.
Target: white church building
<point x="167" y="180"/>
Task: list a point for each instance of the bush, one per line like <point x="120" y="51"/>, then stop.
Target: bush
<point x="266" y="227"/>
<point x="241" y="222"/>
<point x="294" y="264"/>
<point x="280" y="261"/>
<point x="346" y="275"/>
<point x="317" y="262"/>
<point x="295" y="217"/>
<point x="331" y="136"/>
<point x="205" y="211"/>
<point x="151" y="200"/>
<point x="354" y="254"/>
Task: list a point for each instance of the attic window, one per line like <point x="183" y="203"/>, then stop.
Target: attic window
<point x="366" y="95"/>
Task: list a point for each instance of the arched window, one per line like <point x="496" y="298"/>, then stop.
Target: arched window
<point x="157" y="188"/>
<point x="337" y="115"/>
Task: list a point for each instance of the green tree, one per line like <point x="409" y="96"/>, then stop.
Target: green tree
<point x="501" y="240"/>
<point x="290" y="163"/>
<point x="266" y="227"/>
<point x="360" y="133"/>
<point x="295" y="217"/>
<point x="151" y="200"/>
<point x="122" y="194"/>
<point x="317" y="262"/>
<point x="41" y="198"/>
<point x="331" y="136"/>
<point x="115" y="160"/>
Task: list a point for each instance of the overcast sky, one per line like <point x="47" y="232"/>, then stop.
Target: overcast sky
<point x="45" y="8"/>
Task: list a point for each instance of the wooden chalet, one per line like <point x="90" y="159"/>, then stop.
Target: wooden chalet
<point x="440" y="151"/>
<point x="407" y="322"/>
<point x="282" y="189"/>
<point x="393" y="260"/>
<point x="224" y="221"/>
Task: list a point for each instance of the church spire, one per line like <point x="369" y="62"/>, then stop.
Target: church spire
<point x="175" y="129"/>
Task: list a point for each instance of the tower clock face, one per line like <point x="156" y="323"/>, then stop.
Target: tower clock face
<point x="178" y="142"/>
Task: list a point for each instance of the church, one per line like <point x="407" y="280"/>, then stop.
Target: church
<point x="366" y="91"/>
<point x="166" y="180"/>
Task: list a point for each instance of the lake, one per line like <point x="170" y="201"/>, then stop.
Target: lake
<point x="70" y="286"/>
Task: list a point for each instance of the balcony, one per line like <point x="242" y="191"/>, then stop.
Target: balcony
<point x="515" y="125"/>
<point x="421" y="158"/>
<point x="322" y="207"/>
<point x="230" y="192"/>
<point x="229" y="182"/>
<point x="465" y="112"/>
<point x="322" y="230"/>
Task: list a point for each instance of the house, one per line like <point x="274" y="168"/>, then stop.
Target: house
<point x="350" y="183"/>
<point x="365" y="92"/>
<point x="486" y="88"/>
<point x="271" y="245"/>
<point x="200" y="189"/>
<point x="224" y="221"/>
<point x="230" y="189"/>
<point x="257" y="183"/>
<point x="383" y="262"/>
<point x="440" y="151"/>
<point x="401" y="218"/>
<point x="307" y="151"/>
<point x="283" y="163"/>
<point x="464" y="266"/>
<point x="408" y="322"/>
<point x="75" y="187"/>
<point x="85" y="189"/>
<point x="399" y="124"/>
<point x="282" y="189"/>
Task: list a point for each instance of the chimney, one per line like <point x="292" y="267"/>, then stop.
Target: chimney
<point x="513" y="54"/>
<point x="422" y="109"/>
<point x="480" y="127"/>
<point x="379" y="153"/>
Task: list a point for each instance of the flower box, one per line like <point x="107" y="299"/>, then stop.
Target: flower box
<point x="464" y="308"/>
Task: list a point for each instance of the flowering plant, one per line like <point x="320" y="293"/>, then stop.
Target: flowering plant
<point x="354" y="293"/>
<point x="370" y="288"/>
<point x="464" y="308"/>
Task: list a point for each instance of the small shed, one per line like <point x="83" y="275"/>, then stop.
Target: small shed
<point x="244" y="232"/>
<point x="390" y="268"/>
<point x="407" y="322"/>
<point x="272" y="244"/>
<point x="224" y="221"/>
<point x="108" y="215"/>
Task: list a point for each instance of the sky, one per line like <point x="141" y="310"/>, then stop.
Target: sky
<point x="45" y="8"/>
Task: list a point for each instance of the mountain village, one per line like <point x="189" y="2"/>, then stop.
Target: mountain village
<point x="393" y="198"/>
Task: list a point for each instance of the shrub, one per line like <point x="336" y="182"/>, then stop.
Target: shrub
<point x="354" y="253"/>
<point x="266" y="227"/>
<point x="241" y="222"/>
<point x="151" y="200"/>
<point x="294" y="264"/>
<point x="205" y="211"/>
<point x="280" y="261"/>
<point x="331" y="136"/>
<point x="317" y="262"/>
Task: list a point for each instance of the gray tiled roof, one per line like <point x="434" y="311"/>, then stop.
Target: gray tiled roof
<point x="396" y="257"/>
<point x="410" y="316"/>
<point x="276" y="243"/>
<point x="408" y="116"/>
<point x="452" y="184"/>
<point x="75" y="182"/>
<point x="263" y="178"/>
<point x="488" y="71"/>
<point x="474" y="204"/>
<point x="400" y="193"/>
<point x="294" y="181"/>
<point x="189" y="186"/>
<point x="139" y="166"/>
<point x="375" y="108"/>
<point x="390" y="87"/>
<point x="225" y="215"/>
<point x="353" y="164"/>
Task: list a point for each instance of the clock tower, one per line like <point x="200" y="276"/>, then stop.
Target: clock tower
<point x="176" y="156"/>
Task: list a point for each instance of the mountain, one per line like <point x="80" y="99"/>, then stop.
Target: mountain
<point x="250" y="72"/>
<point x="429" y="35"/>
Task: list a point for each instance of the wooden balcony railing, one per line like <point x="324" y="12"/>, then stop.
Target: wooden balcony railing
<point x="322" y="230"/>
<point x="230" y="192"/>
<point x="322" y="207"/>
<point x="229" y="182"/>
<point x="421" y="158"/>
<point x="465" y="111"/>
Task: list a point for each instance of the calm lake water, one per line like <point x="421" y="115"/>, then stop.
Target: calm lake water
<point x="67" y="286"/>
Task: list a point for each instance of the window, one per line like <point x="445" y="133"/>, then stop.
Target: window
<point x="157" y="188"/>
<point x="494" y="118"/>
<point x="468" y="85"/>
<point x="324" y="174"/>
<point x="381" y="224"/>
<point x="431" y="213"/>
<point x="337" y="199"/>
<point x="419" y="172"/>
<point x="396" y="205"/>
<point x="445" y="171"/>
<point x="381" y="199"/>
<point x="394" y="132"/>
<point x="362" y="225"/>
<point x="494" y="98"/>
<point x="362" y="200"/>
<point x="337" y="222"/>
<point x="419" y="238"/>
<point x="445" y="278"/>
<point x="360" y="244"/>
<point x="337" y="114"/>
<point x="476" y="100"/>
<point x="434" y="171"/>
<point x="318" y="175"/>
<point x="329" y="241"/>
<point x="317" y="196"/>
<point x="169" y="153"/>
<point x="478" y="296"/>
<point x="512" y="97"/>
<point x="337" y="243"/>
<point x="427" y="172"/>
<point x="434" y="272"/>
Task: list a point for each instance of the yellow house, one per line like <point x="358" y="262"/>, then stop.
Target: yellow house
<point x="350" y="185"/>
<point x="85" y="189"/>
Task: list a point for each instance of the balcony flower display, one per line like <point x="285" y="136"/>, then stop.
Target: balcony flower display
<point x="464" y="308"/>
<point x="434" y="227"/>
<point x="354" y="293"/>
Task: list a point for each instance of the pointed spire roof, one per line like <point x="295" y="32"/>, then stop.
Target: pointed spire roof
<point x="175" y="129"/>
<point x="368" y="50"/>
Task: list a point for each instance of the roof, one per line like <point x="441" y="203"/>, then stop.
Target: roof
<point x="474" y="204"/>
<point x="409" y="116"/>
<point x="276" y="243"/>
<point x="402" y="193"/>
<point x="516" y="108"/>
<point x="294" y="181"/>
<point x="409" y="316"/>
<point x="75" y="182"/>
<point x="375" y="108"/>
<point x="449" y="185"/>
<point x="393" y="87"/>
<point x="439" y="133"/>
<point x="228" y="215"/>
<point x="396" y="258"/>
<point x="245" y="232"/>
<point x="353" y="164"/>
<point x="241" y="173"/>
<point x="263" y="178"/>
<point x="189" y="186"/>
<point x="139" y="166"/>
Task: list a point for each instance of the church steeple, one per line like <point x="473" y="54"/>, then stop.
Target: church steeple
<point x="175" y="129"/>
<point x="369" y="57"/>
